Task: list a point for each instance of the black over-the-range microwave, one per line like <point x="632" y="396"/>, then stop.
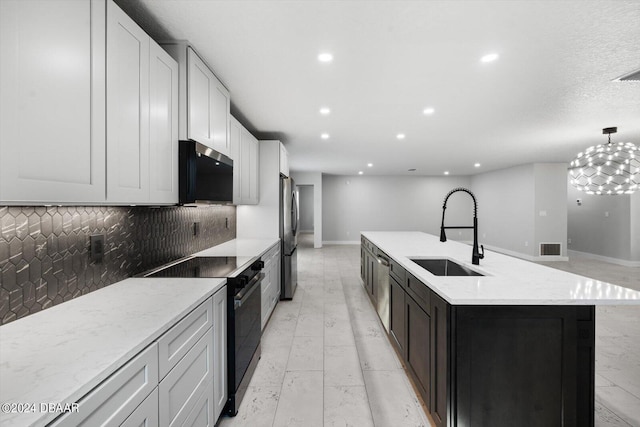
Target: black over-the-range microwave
<point x="206" y="176"/>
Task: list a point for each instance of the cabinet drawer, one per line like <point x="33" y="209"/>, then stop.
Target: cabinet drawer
<point x="175" y="343"/>
<point x="118" y="396"/>
<point x="420" y="292"/>
<point x="397" y="271"/>
<point x="181" y="389"/>
<point x="145" y="415"/>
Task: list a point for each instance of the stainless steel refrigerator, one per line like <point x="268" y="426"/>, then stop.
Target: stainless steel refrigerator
<point x="288" y="236"/>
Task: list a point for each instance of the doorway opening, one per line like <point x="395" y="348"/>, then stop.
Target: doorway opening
<point x="306" y="227"/>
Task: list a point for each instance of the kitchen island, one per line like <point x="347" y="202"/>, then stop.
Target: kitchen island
<point x="511" y="346"/>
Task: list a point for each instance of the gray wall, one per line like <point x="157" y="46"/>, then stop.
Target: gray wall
<point x="505" y="208"/>
<point x="604" y="225"/>
<point x="634" y="227"/>
<point x="306" y="207"/>
<point x="352" y="204"/>
<point x="509" y="205"/>
<point x="550" y="210"/>
<point x="523" y="206"/>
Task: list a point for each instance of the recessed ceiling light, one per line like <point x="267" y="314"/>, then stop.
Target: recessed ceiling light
<point x="428" y="111"/>
<point x="446" y="172"/>
<point x="324" y="136"/>
<point x="400" y="136"/>
<point x="325" y="57"/>
<point x="411" y="170"/>
<point x="360" y="172"/>
<point x="489" y="58"/>
<point x="476" y="165"/>
<point x="369" y="165"/>
<point x="325" y="110"/>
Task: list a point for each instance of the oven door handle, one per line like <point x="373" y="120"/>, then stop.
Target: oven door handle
<point x="244" y="294"/>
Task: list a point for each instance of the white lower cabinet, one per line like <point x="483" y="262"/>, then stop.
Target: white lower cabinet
<point x="271" y="282"/>
<point x="145" y="415"/>
<point x="181" y="389"/>
<point x="178" y="380"/>
<point x="111" y="403"/>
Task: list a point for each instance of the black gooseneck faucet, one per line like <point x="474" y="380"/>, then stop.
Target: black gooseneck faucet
<point x="476" y="255"/>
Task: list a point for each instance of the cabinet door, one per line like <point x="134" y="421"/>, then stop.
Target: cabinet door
<point x="52" y="108"/>
<point x="219" y="351"/>
<point x="235" y="139"/>
<point x="127" y="109"/>
<point x="208" y="106"/>
<point x="201" y="415"/>
<point x="419" y="347"/>
<point x="249" y="160"/>
<point x="397" y="319"/>
<point x="181" y="389"/>
<point x="163" y="126"/>
<point x="439" y="359"/>
<point x="254" y="170"/>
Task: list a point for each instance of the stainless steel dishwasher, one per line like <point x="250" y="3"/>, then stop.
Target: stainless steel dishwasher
<point x="382" y="301"/>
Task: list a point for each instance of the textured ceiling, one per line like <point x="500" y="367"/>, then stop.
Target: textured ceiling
<point x="547" y="97"/>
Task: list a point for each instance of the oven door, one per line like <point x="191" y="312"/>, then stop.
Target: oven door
<point x="247" y="306"/>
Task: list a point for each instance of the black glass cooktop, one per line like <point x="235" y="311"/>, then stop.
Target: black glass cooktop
<point x="199" y="267"/>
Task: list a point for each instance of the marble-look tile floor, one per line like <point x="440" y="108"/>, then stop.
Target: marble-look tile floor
<point x="327" y="362"/>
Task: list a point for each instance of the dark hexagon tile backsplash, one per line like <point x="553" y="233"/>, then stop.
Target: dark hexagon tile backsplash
<point x="44" y="251"/>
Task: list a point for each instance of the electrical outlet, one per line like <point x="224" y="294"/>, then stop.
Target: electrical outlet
<point x="606" y="214"/>
<point x="569" y="241"/>
<point x="96" y="247"/>
<point x="543" y="213"/>
<point x="526" y="243"/>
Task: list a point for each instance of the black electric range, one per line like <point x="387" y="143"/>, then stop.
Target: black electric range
<point x="244" y="326"/>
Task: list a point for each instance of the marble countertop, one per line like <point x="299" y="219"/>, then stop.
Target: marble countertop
<point x="506" y="281"/>
<point x="61" y="353"/>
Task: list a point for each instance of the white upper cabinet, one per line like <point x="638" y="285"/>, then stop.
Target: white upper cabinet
<point x="163" y="126"/>
<point x="142" y="114"/>
<point x="246" y="172"/>
<point x="208" y="106"/>
<point x="127" y="108"/>
<point x="284" y="161"/>
<point x="52" y="108"/>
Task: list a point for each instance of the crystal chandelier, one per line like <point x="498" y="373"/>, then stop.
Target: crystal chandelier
<point x="612" y="168"/>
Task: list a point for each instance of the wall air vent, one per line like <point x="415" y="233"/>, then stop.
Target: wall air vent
<point x="550" y="249"/>
<point x="633" y="76"/>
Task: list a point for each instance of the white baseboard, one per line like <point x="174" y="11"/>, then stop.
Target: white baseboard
<point x="341" y="242"/>
<point x="617" y="261"/>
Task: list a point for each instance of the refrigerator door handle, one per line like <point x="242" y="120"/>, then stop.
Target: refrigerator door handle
<point x="294" y="213"/>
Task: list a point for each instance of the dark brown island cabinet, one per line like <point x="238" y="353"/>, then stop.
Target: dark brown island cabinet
<point x="490" y="366"/>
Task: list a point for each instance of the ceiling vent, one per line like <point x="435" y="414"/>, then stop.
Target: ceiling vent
<point x="633" y="76"/>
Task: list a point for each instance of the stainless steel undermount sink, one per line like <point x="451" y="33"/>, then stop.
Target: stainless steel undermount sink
<point x="445" y="267"/>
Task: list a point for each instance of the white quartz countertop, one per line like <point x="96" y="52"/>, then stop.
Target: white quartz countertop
<point x="506" y="281"/>
<point x="59" y="354"/>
